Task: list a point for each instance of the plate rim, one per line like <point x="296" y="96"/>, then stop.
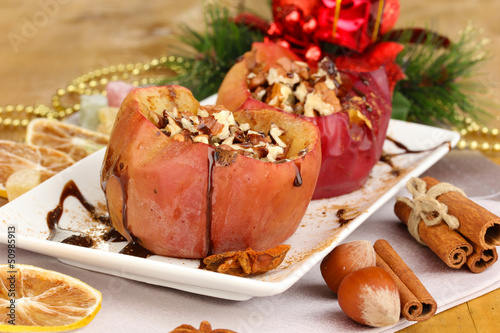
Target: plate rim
<point x="212" y="282"/>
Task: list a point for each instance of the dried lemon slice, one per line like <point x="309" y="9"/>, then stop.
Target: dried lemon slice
<point x="33" y="299"/>
<point x="73" y="140"/>
<point x="15" y="156"/>
<point x="21" y="182"/>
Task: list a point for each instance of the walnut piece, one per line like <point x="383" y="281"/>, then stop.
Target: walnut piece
<point x="248" y="262"/>
<point x="216" y="126"/>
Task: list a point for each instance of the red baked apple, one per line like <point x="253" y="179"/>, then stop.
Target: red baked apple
<point x="187" y="181"/>
<point x="352" y="110"/>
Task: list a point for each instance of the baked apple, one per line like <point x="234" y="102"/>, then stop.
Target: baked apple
<point x="185" y="180"/>
<point x="352" y="110"/>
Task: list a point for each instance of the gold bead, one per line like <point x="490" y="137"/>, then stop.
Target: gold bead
<point x="70" y="88"/>
<point x="86" y="77"/>
<point x="82" y="85"/>
<point x="61" y="114"/>
<point x="7" y="121"/>
<point x="93" y="84"/>
<point x="76" y="107"/>
<point x="29" y="109"/>
<point x="115" y="78"/>
<point x="112" y="69"/>
<point x="496" y="147"/>
<point x="463" y="132"/>
<point x="56" y="103"/>
<point x="1" y="109"/>
<point x="97" y="73"/>
<point x="170" y="59"/>
<point x="473" y="145"/>
<point x="16" y="122"/>
<point x="24" y="122"/>
<point x="9" y="108"/>
<point x="468" y="120"/>
<point x="105" y="71"/>
<point x="494" y="131"/>
<point x="154" y="62"/>
<point x="120" y="67"/>
<point x="103" y="81"/>
<point x="135" y="71"/>
<point x="180" y="60"/>
<point x="129" y="67"/>
<point x="146" y="67"/>
<point x="462" y="144"/>
<point x="104" y="92"/>
<point x="19" y="108"/>
<point x="87" y="92"/>
<point x="61" y="92"/>
<point x="125" y="76"/>
<point x="485" y="146"/>
<point x="68" y="111"/>
<point x="485" y="130"/>
<point x="138" y="65"/>
<point x="135" y="83"/>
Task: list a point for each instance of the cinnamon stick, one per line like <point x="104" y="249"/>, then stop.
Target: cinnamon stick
<point x="480" y="259"/>
<point x="477" y="224"/>
<point x="417" y="304"/>
<point x="447" y="244"/>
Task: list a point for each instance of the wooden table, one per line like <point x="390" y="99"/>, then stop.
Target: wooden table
<point x="48" y="43"/>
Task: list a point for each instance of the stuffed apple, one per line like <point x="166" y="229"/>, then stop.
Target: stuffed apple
<point x="185" y="180"/>
<point x="351" y="110"/>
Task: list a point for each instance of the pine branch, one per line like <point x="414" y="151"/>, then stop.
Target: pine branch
<point x="441" y="84"/>
<point x="211" y="53"/>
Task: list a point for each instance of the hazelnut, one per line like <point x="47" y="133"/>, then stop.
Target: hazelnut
<point x="345" y="259"/>
<point x="370" y="297"/>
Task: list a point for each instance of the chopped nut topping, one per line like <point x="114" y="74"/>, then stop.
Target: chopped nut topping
<point x="221" y="130"/>
<point x="291" y="87"/>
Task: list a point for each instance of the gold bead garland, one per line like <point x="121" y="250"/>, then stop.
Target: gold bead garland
<point x="474" y="136"/>
<point x="94" y="82"/>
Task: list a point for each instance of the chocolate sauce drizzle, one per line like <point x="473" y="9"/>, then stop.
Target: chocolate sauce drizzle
<point x="387" y="158"/>
<point x="342" y="220"/>
<point x="54" y="216"/>
<point x="80" y="239"/>
<point x="212" y="158"/>
<point x="297" y="182"/>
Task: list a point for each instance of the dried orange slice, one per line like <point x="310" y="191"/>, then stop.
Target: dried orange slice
<point x="15" y="156"/>
<point x="76" y="141"/>
<point x="33" y="299"/>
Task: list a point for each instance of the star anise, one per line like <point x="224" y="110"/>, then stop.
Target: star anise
<point x="243" y="263"/>
<point x="205" y="327"/>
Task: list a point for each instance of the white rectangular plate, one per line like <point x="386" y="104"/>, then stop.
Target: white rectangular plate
<point x="319" y="232"/>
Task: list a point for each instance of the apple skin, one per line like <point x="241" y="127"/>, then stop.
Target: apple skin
<point x="182" y="199"/>
<point x="349" y="151"/>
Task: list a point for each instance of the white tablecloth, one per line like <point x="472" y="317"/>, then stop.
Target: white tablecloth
<point x="308" y="306"/>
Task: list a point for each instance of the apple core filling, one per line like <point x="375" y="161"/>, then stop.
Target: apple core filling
<point x="294" y="88"/>
<point x="216" y="126"/>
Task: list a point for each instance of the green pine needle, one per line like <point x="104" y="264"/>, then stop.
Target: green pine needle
<point x="441" y="83"/>
<point x="216" y="50"/>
